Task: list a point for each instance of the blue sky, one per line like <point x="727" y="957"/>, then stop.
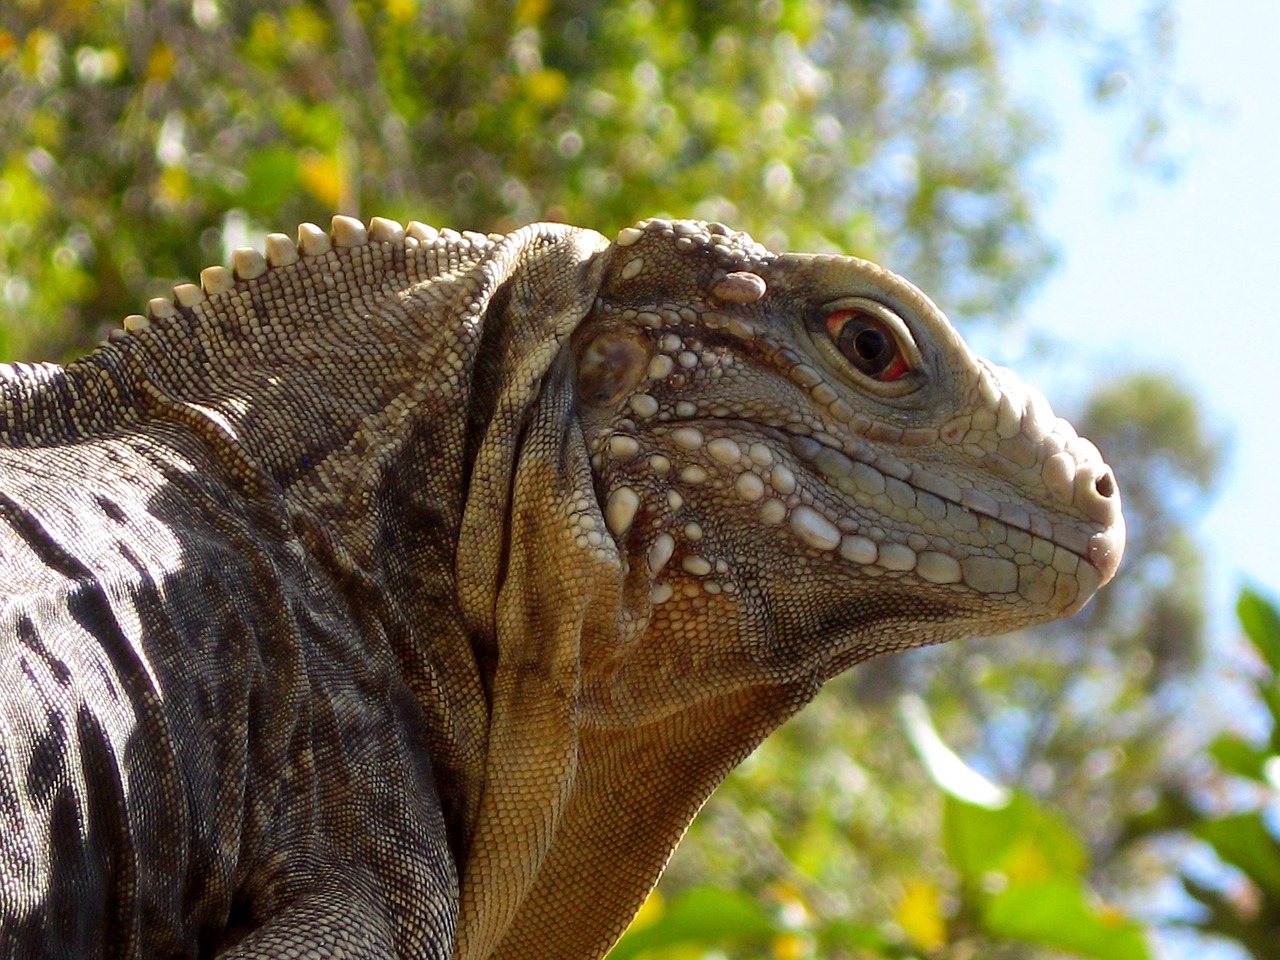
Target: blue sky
<point x="1183" y="276"/>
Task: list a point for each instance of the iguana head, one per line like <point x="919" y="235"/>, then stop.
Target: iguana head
<point x="805" y="446"/>
<point x="745" y="473"/>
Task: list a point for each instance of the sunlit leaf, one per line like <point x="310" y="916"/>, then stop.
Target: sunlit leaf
<point x="1261" y="623"/>
<point x="1022" y="841"/>
<point x="1244" y="842"/>
<point x="546" y="86"/>
<point x="273" y="174"/>
<point x="920" y="914"/>
<point x="790" y="946"/>
<point x="1059" y="912"/>
<point x="702" y="916"/>
<point x="322" y="176"/>
<point x="160" y="62"/>
<point x="1234" y="754"/>
<point x="948" y="771"/>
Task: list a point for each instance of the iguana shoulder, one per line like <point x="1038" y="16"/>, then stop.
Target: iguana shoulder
<point x="405" y="592"/>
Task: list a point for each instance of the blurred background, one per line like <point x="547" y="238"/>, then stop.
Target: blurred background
<point x="1090" y="191"/>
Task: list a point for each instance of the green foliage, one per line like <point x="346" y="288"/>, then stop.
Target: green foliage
<point x="1015" y="873"/>
<point x="701" y="917"/>
<point x="141" y="140"/>
<point x="1024" y="867"/>
<point x="1058" y="913"/>
<point x="1261" y="623"/>
<point x="1241" y="903"/>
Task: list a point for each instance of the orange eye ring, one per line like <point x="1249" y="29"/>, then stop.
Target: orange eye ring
<point x="868" y="343"/>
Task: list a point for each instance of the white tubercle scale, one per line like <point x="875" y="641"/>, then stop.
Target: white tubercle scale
<point x="620" y="510"/>
<point x="813" y="529"/>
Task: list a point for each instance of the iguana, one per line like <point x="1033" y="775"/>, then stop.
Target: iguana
<point x="404" y="592"/>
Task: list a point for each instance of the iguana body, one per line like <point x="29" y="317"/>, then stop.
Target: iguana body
<point x="406" y="595"/>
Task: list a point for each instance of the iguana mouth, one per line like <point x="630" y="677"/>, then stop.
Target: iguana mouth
<point x="957" y="535"/>
<point x="1054" y="547"/>
<point x="858" y="468"/>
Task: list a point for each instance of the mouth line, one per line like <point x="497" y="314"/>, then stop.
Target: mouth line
<point x="818" y="453"/>
<point x="842" y="466"/>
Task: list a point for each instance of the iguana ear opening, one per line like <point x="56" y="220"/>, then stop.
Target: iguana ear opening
<point x="610" y="365"/>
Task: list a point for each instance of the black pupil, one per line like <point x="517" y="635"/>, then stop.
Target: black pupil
<point x="871" y="345"/>
<point x="866" y="346"/>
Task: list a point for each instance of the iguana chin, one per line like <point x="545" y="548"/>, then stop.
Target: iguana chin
<point x="405" y="592"/>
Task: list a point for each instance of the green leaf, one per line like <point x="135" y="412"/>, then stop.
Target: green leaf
<point x="1261" y="623"/>
<point x="841" y="935"/>
<point x="271" y="174"/>
<point x="1059" y="912"/>
<point x="1244" y="842"/>
<point x="977" y="839"/>
<point x="1234" y="754"/>
<point x="706" y="915"/>
<point x="1023" y="840"/>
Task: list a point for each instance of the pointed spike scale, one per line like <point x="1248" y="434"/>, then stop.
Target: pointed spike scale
<point x="349" y="232"/>
<point x="281" y="251"/>
<point x="312" y="241"/>
<point x="382" y="230"/>
<point x="188" y="294"/>
<point x="215" y="280"/>
<point x="248" y="263"/>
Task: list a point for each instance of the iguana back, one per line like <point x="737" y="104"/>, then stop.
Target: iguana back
<point x="404" y="593"/>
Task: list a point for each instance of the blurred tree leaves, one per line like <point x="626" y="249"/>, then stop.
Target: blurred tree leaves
<point x="130" y="130"/>
<point x="1014" y="879"/>
<point x="1231" y="807"/>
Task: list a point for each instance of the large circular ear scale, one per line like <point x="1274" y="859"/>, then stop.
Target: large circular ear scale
<point x="610" y="366"/>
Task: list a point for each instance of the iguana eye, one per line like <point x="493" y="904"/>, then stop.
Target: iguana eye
<point x="867" y="342"/>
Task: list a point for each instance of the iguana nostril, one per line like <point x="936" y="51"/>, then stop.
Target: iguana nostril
<point x="1105" y="485"/>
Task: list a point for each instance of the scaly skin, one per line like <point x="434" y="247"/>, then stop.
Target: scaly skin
<point x="446" y="575"/>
